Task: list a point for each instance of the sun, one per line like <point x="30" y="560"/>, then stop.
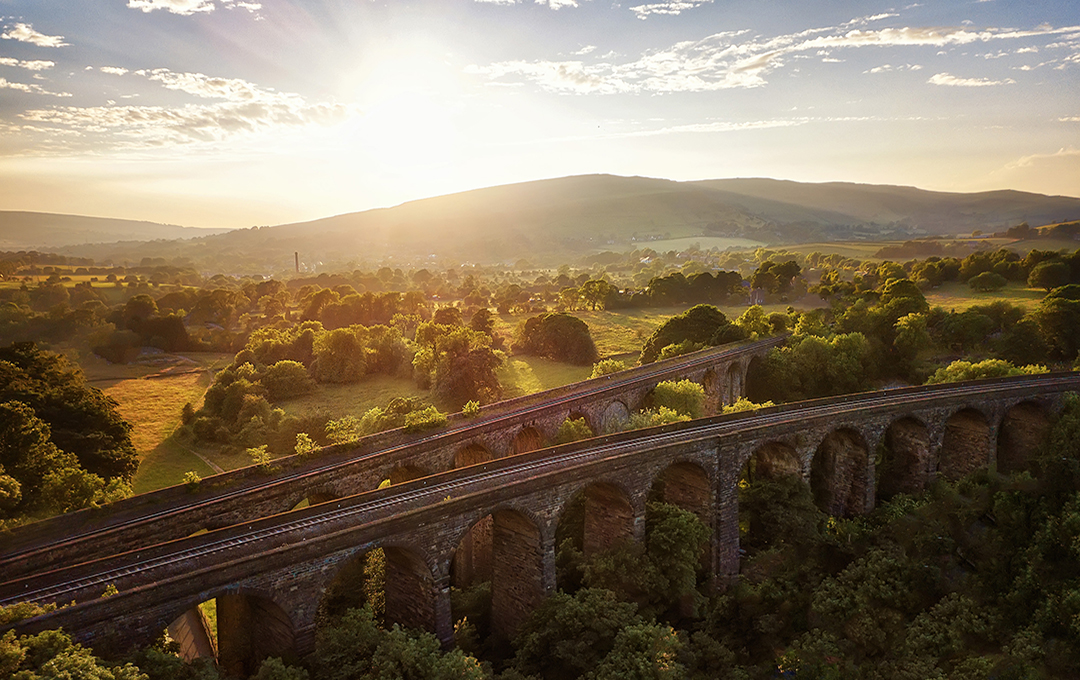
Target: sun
<point x="409" y="104"/>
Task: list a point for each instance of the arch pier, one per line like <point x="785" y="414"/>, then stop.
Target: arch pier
<point x="497" y="518"/>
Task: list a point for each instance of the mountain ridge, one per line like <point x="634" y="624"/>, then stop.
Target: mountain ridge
<point x="560" y="219"/>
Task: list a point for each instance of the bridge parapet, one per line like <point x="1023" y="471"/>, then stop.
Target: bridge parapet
<point x="292" y="558"/>
<point x="247" y="494"/>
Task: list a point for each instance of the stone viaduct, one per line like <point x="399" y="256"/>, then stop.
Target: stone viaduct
<point x="508" y="427"/>
<point x="270" y="576"/>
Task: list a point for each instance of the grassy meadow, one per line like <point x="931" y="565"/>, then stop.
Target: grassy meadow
<point x="151" y="398"/>
<point x="958" y="296"/>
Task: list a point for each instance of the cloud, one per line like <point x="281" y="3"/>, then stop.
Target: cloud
<point x="35" y="65"/>
<point x="585" y="50"/>
<point x="862" y="21"/>
<point x="676" y="7"/>
<point x="1069" y="119"/>
<point x="889" y="67"/>
<point x="729" y="60"/>
<point x="29" y="88"/>
<point x="953" y="81"/>
<point x="189" y="7"/>
<point x="114" y="70"/>
<point x="243" y="109"/>
<point x="26" y="33"/>
<point x="497" y="2"/>
<point x="557" y="4"/>
<point x="182" y="7"/>
<point x="212" y="87"/>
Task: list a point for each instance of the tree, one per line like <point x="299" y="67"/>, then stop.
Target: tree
<point x="595" y="292"/>
<point x="558" y="336"/>
<point x="285" y="379"/>
<point x="457" y="363"/>
<point x="987" y="282"/>
<point x="1049" y="275"/>
<point x="567" y="636"/>
<point x="82" y="420"/>
<point x="701" y="324"/>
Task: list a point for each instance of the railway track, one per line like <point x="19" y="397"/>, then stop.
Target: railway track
<point x="16" y="550"/>
<point x="292" y="529"/>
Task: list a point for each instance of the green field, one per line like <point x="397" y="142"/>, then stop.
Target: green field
<point x="151" y="400"/>
<point x="523" y="375"/>
<point x="958" y="296"/>
<point x="336" y="401"/>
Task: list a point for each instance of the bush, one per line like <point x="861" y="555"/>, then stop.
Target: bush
<point x="424" y="419"/>
<point x="685" y="397"/>
<point x="702" y="324"/>
<point x="607" y="367"/>
<point x="744" y="404"/>
<point x="286" y="379"/>
<point x="990" y="368"/>
<point x="654" y="418"/>
<point x="471" y="409"/>
<point x="573" y="430"/>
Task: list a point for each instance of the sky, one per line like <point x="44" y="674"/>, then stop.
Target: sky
<point x="235" y="113"/>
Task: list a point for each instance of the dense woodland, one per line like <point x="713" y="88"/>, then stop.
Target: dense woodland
<point x="973" y="579"/>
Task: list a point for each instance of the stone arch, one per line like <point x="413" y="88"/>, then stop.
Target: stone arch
<point x="597" y="518"/>
<point x="733" y="383"/>
<point x="965" y="446"/>
<point x="1023" y="429"/>
<point x="772" y="460"/>
<point x="392" y="578"/>
<point x="528" y="439"/>
<point x="905" y="465"/>
<point x="473" y="454"/>
<point x="515" y="569"/>
<point x="614" y="417"/>
<point x="250" y="627"/>
<point x="581" y="415"/>
<point x="687" y="486"/>
<point x="407" y="473"/>
<point x="838" y="473"/>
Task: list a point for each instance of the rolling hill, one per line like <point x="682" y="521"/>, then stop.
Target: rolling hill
<point x="49" y="231"/>
<point x="562" y="219"/>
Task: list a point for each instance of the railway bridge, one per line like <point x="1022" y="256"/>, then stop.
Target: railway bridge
<point x="508" y="427"/>
<point x="498" y="519"/>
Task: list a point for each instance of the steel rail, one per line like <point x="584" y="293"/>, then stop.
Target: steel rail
<point x="490" y="476"/>
<point x="506" y="412"/>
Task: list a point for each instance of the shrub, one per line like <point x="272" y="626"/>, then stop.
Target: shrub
<point x="744" y="404"/>
<point x="573" y="430"/>
<point x="424" y="419"/>
<point x="607" y="367"/>
<point x="685" y="397"/>
<point x="471" y="409"/>
<point x="286" y="379"/>
<point x="192" y="480"/>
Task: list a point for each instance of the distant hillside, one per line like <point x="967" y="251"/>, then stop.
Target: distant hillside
<point x="48" y="231"/>
<point x="562" y="219"/>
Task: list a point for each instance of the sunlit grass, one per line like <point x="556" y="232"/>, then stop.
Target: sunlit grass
<point x="958" y="296"/>
<point x="153" y="406"/>
<point x="336" y="401"/>
<point x="523" y="375"/>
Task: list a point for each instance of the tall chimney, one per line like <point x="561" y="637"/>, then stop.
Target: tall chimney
<point x="296" y="256"/>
